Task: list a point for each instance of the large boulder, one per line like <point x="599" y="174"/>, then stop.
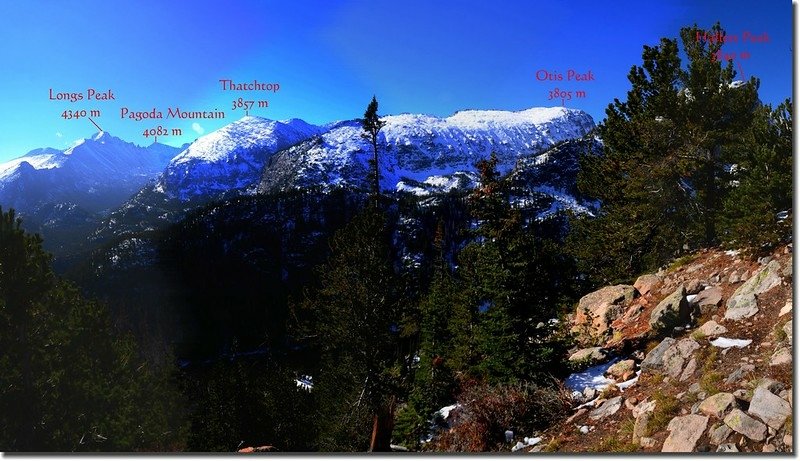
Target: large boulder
<point x="589" y="356"/>
<point x="676" y="356"/>
<point x="708" y="299"/>
<point x="719" y="434"/>
<point x="598" y="309"/>
<point x="751" y="428"/>
<point x="718" y="404"/>
<point x="769" y="408"/>
<point x="608" y="408"/>
<point x="742" y="303"/>
<point x="684" y="433"/>
<point x="645" y="283"/>
<point x="654" y="360"/>
<point x="671" y="312"/>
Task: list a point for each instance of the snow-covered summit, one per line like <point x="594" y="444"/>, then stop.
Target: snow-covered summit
<point x="416" y="147"/>
<point x="230" y="158"/>
<point x="95" y="173"/>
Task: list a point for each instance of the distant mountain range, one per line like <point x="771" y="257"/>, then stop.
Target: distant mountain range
<point x="108" y="187"/>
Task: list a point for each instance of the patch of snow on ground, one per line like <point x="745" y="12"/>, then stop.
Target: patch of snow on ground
<point x="305" y="382"/>
<point x="728" y="342"/>
<point x="591" y="377"/>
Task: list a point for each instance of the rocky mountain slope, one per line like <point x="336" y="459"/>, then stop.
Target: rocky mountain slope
<point x="423" y="149"/>
<point x="419" y="154"/>
<point x="694" y="358"/>
<point x="98" y="173"/>
<point x="64" y="194"/>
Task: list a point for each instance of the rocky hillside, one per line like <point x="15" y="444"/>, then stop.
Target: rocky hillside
<point x="694" y="358"/>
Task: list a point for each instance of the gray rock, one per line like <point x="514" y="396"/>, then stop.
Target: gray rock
<point x="640" y="426"/>
<point x="708" y="299"/>
<point x="718" y="404"/>
<point x="719" y="434"/>
<point x="771" y="385"/>
<point x="712" y="329"/>
<point x="727" y="448"/>
<point x="608" y="408"/>
<point x="782" y="356"/>
<point x="742" y="303"/>
<point x="675" y="356"/>
<point x="647" y="442"/>
<point x="689" y="370"/>
<point x="598" y="309"/>
<point x="693" y="287"/>
<point x="589" y="393"/>
<point x="734" y="278"/>
<point x="672" y="311"/>
<point x="787" y="440"/>
<point x="589" y="354"/>
<point x="787" y="329"/>
<point x="768" y="448"/>
<point x="739" y="373"/>
<point x="769" y="408"/>
<point x="751" y="428"/>
<point x="684" y="433"/>
<point x="622" y="370"/>
<point x="644" y="407"/>
<point x="654" y="360"/>
<point x="645" y="283"/>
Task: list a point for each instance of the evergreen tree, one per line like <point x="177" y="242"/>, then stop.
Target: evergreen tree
<point x="70" y="381"/>
<point x="758" y="211"/>
<point x="445" y="334"/>
<point x="357" y="312"/>
<point x="661" y="178"/>
<point x="372" y="124"/>
<point x="509" y="274"/>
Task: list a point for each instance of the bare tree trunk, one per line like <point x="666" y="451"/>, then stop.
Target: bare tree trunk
<point x="376" y="188"/>
<point x="382" y="426"/>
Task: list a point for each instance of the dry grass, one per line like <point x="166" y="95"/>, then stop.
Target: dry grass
<point x="667" y="407"/>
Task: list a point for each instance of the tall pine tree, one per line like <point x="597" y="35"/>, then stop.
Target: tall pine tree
<point x="662" y="176"/>
<point x="357" y="313"/>
<point x="372" y="124"/>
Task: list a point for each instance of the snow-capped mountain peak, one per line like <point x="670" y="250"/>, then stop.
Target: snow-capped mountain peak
<point x="231" y="158"/>
<point x="416" y="147"/>
<point x="97" y="172"/>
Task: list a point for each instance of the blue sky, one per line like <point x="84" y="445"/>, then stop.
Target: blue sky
<point x="331" y="57"/>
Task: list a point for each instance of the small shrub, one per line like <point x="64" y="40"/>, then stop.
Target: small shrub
<point x="552" y="446"/>
<point x="778" y="332"/>
<point x="667" y="407"/>
<point x="709" y="382"/>
<point x="697" y="335"/>
<point x="613" y="444"/>
<point x="680" y="262"/>
<point x="488" y="411"/>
